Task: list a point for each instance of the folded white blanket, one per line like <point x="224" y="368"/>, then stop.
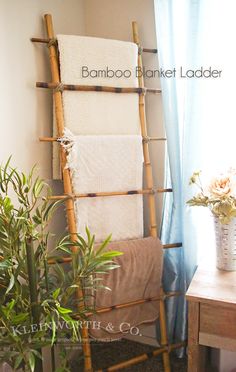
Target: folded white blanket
<point x="99" y="112"/>
<point x="103" y="164"/>
<point x="96" y="54"/>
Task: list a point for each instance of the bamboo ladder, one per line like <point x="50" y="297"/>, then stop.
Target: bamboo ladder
<point x="69" y="196"/>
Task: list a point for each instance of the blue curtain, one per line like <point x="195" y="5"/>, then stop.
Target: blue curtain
<point x="175" y="20"/>
<point x="199" y="115"/>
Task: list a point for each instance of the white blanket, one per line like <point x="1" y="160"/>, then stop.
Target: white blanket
<point x="103" y="164"/>
<point x="99" y="112"/>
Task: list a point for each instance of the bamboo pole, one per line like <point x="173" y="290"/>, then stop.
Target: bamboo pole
<point x="143" y="357"/>
<point x="49" y="139"/>
<point x="150" y="139"/>
<point x="88" y="88"/>
<point x="108" y="193"/>
<point x="64" y="260"/>
<point x="95" y="88"/>
<point x="65" y="172"/>
<point x="35" y="310"/>
<point x="172" y="245"/>
<point x="148" y="50"/>
<point x="43" y="40"/>
<point x="130" y="304"/>
<point x="58" y="139"/>
<point x="46" y="271"/>
<point x="147" y="164"/>
<point x="46" y="41"/>
<point x="151" y="198"/>
<point x="39" y="40"/>
<point x="59" y="260"/>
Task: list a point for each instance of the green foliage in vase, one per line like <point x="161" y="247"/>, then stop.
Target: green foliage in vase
<point x="37" y="299"/>
<point x="219" y="195"/>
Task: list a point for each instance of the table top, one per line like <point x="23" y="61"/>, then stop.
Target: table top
<point x="211" y="285"/>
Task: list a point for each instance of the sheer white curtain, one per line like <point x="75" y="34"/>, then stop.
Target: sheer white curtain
<point x="210" y="104"/>
<point x="200" y="119"/>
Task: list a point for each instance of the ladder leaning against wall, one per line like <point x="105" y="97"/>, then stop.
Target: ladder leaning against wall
<point x="57" y="88"/>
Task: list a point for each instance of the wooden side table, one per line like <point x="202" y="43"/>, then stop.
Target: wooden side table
<point x="212" y="314"/>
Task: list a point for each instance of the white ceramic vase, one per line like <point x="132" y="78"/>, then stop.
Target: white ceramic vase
<point x="225" y="244"/>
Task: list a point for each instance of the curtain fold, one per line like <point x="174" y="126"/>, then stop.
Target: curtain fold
<point x="200" y="116"/>
<point x="179" y="263"/>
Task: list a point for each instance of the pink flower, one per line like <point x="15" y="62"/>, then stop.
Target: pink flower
<point x="222" y="186"/>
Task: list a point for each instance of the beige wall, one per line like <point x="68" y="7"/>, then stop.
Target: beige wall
<point x="25" y="113"/>
<point x="112" y="19"/>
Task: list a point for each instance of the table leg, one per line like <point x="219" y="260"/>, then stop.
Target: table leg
<point x="196" y="352"/>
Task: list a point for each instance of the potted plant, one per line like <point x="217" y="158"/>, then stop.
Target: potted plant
<point x="37" y="299"/>
<point x="219" y="195"/>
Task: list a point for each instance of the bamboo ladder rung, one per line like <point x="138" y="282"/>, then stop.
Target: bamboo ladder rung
<point x="47" y="41"/>
<point x="141" y="358"/>
<point x="150" y="139"/>
<point x="172" y="245"/>
<point x="41" y="40"/>
<point x="149" y="50"/>
<point x="65" y="259"/>
<point x="129" y="304"/>
<point x="109" y="193"/>
<point x="59" y="140"/>
<point x="95" y="88"/>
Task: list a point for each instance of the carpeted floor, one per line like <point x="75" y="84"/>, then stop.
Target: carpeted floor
<point x="107" y="354"/>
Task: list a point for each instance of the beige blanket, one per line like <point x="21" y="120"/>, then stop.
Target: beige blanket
<point x="138" y="277"/>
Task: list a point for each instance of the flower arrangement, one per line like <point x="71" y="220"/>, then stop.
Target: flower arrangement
<point x="219" y="195"/>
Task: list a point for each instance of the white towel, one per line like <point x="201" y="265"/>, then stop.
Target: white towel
<point x="99" y="112"/>
<point x="103" y="164"/>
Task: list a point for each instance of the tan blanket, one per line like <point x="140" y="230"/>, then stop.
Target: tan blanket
<point x="138" y="277"/>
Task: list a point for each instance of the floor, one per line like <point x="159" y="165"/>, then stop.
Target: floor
<point x="107" y="354"/>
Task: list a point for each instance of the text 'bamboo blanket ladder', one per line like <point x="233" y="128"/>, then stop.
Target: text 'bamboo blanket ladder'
<point x="69" y="195"/>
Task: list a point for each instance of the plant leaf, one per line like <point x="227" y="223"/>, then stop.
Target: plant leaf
<point x="32" y="361"/>
<point x="18" y="361"/>
<point x="56" y="293"/>
<point x="63" y="310"/>
<point x="11" y="284"/>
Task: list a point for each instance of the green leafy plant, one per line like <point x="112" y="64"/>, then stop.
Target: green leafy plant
<point x="219" y="195"/>
<point x="37" y="299"/>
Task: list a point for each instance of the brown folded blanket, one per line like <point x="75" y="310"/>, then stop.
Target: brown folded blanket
<point x="138" y="277"/>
